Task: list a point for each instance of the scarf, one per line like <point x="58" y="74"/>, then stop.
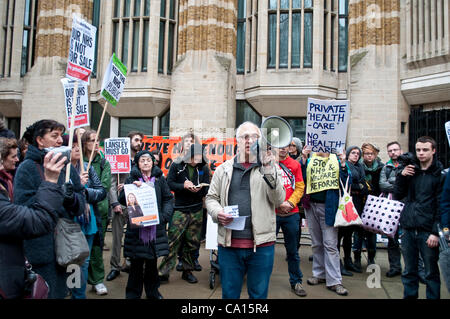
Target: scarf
<point x="374" y="168"/>
<point x="147" y="234"/>
<point x="8" y="179"/>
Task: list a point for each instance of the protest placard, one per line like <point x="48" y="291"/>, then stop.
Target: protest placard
<point x="114" y="80"/>
<point x="215" y="150"/>
<point x="118" y="153"/>
<point x="141" y="204"/>
<point x="82" y="103"/>
<point x="322" y="173"/>
<point x="326" y="125"/>
<point x="81" y="50"/>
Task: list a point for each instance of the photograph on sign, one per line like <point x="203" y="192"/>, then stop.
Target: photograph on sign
<point x="81" y="56"/>
<point x="141" y="205"/>
<point x="82" y="103"/>
<point x="118" y="154"/>
<point x="114" y="80"/>
<point x="326" y="125"/>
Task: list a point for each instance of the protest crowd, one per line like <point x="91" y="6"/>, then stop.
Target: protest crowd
<point x="273" y="192"/>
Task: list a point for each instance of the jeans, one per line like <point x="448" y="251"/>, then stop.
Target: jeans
<point x="362" y="235"/>
<point x="413" y="244"/>
<point x="234" y="263"/>
<point x="289" y="226"/>
<point x="143" y="274"/>
<point x="80" y="293"/>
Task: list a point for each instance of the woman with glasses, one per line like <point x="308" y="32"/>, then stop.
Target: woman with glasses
<point x="295" y="148"/>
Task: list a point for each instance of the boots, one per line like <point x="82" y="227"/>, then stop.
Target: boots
<point x="344" y="271"/>
<point x="371" y="256"/>
<point x="357" y="261"/>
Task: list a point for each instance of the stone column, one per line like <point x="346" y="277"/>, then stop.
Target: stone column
<point x="43" y="94"/>
<point x="203" y="97"/>
<point x="377" y="106"/>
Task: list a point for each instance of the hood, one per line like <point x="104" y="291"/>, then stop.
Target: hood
<point x="136" y="173"/>
<point x="349" y="149"/>
<point x="35" y="154"/>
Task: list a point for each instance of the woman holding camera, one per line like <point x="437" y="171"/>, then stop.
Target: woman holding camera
<point x="29" y="176"/>
<point x="19" y="222"/>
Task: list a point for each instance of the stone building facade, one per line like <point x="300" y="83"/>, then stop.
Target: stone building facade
<point x="208" y="65"/>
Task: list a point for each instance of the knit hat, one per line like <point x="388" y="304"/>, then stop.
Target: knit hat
<point x="141" y="153"/>
<point x="349" y="149"/>
<point x="298" y="144"/>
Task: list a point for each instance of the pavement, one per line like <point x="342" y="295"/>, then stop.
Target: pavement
<point x="358" y="287"/>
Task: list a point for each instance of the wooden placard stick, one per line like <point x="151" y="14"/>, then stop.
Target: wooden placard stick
<point x="96" y="136"/>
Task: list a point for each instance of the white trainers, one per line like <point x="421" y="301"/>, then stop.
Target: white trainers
<point x="100" y="289"/>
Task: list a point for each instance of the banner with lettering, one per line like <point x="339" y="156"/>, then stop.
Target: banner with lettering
<point x="322" y="173"/>
<point x="118" y="152"/>
<point x="81" y="50"/>
<point x="81" y="105"/>
<point x="326" y="125"/>
<point x="215" y="150"/>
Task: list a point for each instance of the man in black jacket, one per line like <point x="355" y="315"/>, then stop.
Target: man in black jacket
<point x="186" y="179"/>
<point x="421" y="182"/>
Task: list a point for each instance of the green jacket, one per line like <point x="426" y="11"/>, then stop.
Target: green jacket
<point x="105" y="177"/>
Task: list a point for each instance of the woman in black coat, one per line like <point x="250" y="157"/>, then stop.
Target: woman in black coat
<point x="20" y="222"/>
<point x="136" y="246"/>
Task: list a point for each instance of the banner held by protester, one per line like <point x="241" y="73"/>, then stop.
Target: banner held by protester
<point x="118" y="153"/>
<point x="326" y="125"/>
<point x="81" y="105"/>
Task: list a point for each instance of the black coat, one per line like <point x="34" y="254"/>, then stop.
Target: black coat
<point x="359" y="188"/>
<point x="133" y="246"/>
<point x="186" y="200"/>
<point x="18" y="223"/>
<point x="421" y="193"/>
<point x="41" y="251"/>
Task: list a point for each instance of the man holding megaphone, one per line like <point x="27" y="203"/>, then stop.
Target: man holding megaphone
<point x="250" y="185"/>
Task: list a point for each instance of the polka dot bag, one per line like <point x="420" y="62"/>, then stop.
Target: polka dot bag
<point x="381" y="215"/>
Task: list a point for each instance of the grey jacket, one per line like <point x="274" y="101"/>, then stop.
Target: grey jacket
<point x="264" y="200"/>
<point x="387" y="182"/>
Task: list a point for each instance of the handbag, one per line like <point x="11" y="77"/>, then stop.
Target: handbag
<point x="71" y="246"/>
<point x="35" y="286"/>
<point x="381" y="215"/>
<point x="346" y="214"/>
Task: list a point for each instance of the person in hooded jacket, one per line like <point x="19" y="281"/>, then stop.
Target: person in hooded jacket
<point x="185" y="178"/>
<point x="9" y="159"/>
<point x="90" y="222"/>
<point x="29" y="175"/>
<point x="18" y="223"/>
<point x="421" y="181"/>
<point x="144" y="245"/>
<point x="358" y="192"/>
<point x="372" y="169"/>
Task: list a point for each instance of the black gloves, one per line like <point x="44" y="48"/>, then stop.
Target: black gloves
<point x="69" y="194"/>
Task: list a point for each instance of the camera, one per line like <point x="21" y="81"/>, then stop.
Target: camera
<point x="408" y="159"/>
<point x="64" y="150"/>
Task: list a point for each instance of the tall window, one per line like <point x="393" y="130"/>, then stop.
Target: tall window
<point x="96" y="114"/>
<point x="287" y="19"/>
<point x="246" y="37"/>
<point x="164" y="124"/>
<point x="96" y="23"/>
<point x="131" y="34"/>
<point x="329" y="29"/>
<point x="245" y="112"/>
<point x="6" y="37"/>
<point x="167" y="29"/>
<point x="343" y="35"/>
<point x="298" y="125"/>
<point x="29" y="36"/>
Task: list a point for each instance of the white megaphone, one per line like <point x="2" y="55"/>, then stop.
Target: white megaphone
<point x="275" y="132"/>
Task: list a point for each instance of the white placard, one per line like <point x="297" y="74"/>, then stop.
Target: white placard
<point x="447" y="130"/>
<point x="81" y="58"/>
<point x="114" y="80"/>
<point x="211" y="234"/>
<point x="143" y="210"/>
<point x="326" y="125"/>
<point x="82" y="103"/>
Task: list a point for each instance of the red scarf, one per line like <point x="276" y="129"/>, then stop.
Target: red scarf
<point x="8" y="179"/>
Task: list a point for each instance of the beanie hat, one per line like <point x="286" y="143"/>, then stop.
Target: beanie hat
<point x="141" y="153"/>
<point x="298" y="144"/>
<point x="349" y="149"/>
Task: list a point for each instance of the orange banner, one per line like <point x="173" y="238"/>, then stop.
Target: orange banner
<point x="216" y="151"/>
